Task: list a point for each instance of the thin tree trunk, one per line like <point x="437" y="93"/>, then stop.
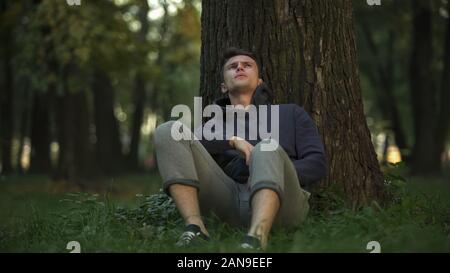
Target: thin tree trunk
<point x="385" y="82"/>
<point x="83" y="147"/>
<point x="423" y="92"/>
<point x="443" y="128"/>
<point x="40" y="134"/>
<point x="24" y="106"/>
<point x="138" y="117"/>
<point x="139" y="92"/>
<point x="6" y="107"/>
<point x="65" y="169"/>
<point x="75" y="161"/>
<point x="75" y="157"/>
<point x="308" y="55"/>
<point x="108" y="145"/>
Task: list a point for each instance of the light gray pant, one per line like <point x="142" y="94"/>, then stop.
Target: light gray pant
<point x="188" y="162"/>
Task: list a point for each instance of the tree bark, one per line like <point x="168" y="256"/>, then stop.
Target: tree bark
<point x="308" y="55"/>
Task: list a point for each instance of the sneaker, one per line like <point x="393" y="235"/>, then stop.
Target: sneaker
<point x="191" y="235"/>
<point x="250" y="243"/>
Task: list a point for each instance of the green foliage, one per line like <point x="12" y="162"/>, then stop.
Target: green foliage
<point x="329" y="201"/>
<point x="156" y="212"/>
<point x="414" y="222"/>
<point x="53" y="40"/>
<point x="56" y="41"/>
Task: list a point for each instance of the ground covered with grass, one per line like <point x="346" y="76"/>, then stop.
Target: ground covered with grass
<point x="129" y="214"/>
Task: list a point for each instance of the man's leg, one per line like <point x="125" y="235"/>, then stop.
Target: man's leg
<point x="193" y="179"/>
<point x="265" y="205"/>
<point x="186" y="200"/>
<point x="276" y="195"/>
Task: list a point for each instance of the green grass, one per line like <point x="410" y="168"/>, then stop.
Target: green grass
<point x="37" y="215"/>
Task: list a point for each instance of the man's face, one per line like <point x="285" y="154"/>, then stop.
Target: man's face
<point x="240" y="73"/>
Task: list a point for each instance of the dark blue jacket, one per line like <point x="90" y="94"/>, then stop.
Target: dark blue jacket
<point x="299" y="137"/>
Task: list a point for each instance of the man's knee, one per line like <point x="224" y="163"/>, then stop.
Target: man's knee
<point x="163" y="133"/>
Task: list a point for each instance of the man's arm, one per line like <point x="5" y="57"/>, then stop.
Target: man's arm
<point x="216" y="146"/>
<point x="212" y="146"/>
<point x="311" y="164"/>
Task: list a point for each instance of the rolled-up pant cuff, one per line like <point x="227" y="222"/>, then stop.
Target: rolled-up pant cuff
<point x="266" y="185"/>
<point x="183" y="181"/>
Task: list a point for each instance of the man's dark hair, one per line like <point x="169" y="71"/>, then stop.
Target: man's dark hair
<point x="234" y="51"/>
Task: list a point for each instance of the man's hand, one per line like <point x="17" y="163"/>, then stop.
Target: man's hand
<point x="242" y="146"/>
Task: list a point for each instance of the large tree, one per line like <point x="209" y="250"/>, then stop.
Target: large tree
<point x="308" y="55"/>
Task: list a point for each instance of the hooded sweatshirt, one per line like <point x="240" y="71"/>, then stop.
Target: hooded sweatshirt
<point x="298" y="136"/>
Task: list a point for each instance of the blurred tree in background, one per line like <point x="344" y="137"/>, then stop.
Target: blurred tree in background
<point x="83" y="86"/>
<point x="404" y="64"/>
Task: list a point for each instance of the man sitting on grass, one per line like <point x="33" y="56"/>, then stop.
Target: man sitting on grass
<point x="237" y="179"/>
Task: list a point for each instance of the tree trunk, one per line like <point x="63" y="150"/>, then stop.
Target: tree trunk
<point x="139" y="92"/>
<point x="84" y="169"/>
<point x="75" y="160"/>
<point x="308" y="55"/>
<point x="442" y="130"/>
<point x="138" y="117"/>
<point x="6" y="95"/>
<point x="40" y="134"/>
<point x="385" y="82"/>
<point x="108" y="146"/>
<point x="6" y="109"/>
<point x="423" y="92"/>
<point x="24" y="112"/>
<point x="65" y="154"/>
